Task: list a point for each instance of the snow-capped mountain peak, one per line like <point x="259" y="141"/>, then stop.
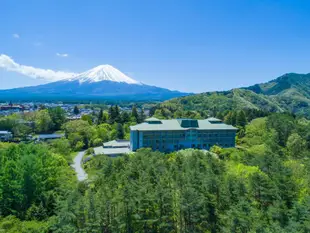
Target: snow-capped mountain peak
<point x="104" y="73"/>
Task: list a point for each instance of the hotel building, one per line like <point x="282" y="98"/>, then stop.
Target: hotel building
<point x="177" y="134"/>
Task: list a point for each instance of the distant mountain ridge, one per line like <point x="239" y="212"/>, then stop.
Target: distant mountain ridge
<point x="283" y="84"/>
<point x="289" y="92"/>
<point x="100" y="83"/>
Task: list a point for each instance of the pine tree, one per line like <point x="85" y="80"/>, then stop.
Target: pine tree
<point x="104" y="118"/>
<point x="141" y="116"/>
<point x="76" y="110"/>
<point x="228" y="118"/>
<point x="120" y="131"/>
<point x="117" y="115"/>
<point x="125" y="117"/>
<point x="153" y="110"/>
<point x="219" y="115"/>
<point x="100" y="117"/>
<point x="241" y="119"/>
<point x="111" y="115"/>
<point x="233" y="118"/>
<point x="134" y="113"/>
<point x="214" y="111"/>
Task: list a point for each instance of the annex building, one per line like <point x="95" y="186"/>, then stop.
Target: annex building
<point x="177" y="134"/>
<point x="5" y="136"/>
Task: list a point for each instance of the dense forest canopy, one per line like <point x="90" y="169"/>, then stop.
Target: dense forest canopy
<point x="263" y="185"/>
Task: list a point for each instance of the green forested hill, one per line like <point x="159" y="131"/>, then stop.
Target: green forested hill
<point x="221" y="101"/>
<point x="283" y="84"/>
<point x="290" y="92"/>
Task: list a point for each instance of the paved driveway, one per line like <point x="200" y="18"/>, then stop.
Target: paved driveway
<point x="77" y="165"/>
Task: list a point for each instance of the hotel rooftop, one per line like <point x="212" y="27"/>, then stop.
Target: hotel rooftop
<point x="154" y="124"/>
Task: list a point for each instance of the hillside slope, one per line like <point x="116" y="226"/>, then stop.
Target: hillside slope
<point x="290" y="92"/>
<point x="221" y="101"/>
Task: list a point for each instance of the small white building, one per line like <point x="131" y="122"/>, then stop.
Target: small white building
<point x="5" y="135"/>
<point x="113" y="148"/>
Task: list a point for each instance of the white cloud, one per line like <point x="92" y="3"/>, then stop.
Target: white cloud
<point x="9" y="64"/>
<point x="62" y="54"/>
<point x="16" y="36"/>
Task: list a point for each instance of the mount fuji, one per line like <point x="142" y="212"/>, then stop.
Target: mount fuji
<point x="104" y="73"/>
<point x="103" y="82"/>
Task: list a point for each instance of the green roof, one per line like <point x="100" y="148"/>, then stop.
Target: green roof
<point x="182" y="124"/>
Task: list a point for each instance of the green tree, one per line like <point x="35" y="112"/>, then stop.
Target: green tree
<point x="105" y="117"/>
<point x="111" y="115"/>
<point x="36" y="212"/>
<point x="21" y="130"/>
<point x="103" y="131"/>
<point x="62" y="146"/>
<point x="219" y="115"/>
<point x="241" y="119"/>
<point x="283" y="124"/>
<point x="117" y="115"/>
<point x="114" y="114"/>
<point x="233" y="118"/>
<point x="296" y="145"/>
<point x="141" y="116"/>
<point x="76" y="110"/>
<point x="43" y="122"/>
<point x="228" y="118"/>
<point x="134" y="113"/>
<point x="87" y="118"/>
<point x="100" y="117"/>
<point x="125" y="117"/>
<point x="79" y="133"/>
<point x="120" y="131"/>
<point x="58" y="116"/>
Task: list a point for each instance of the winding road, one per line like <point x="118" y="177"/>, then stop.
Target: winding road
<point x="77" y="165"/>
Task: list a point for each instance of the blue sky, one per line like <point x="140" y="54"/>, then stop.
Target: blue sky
<point x="192" y="45"/>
